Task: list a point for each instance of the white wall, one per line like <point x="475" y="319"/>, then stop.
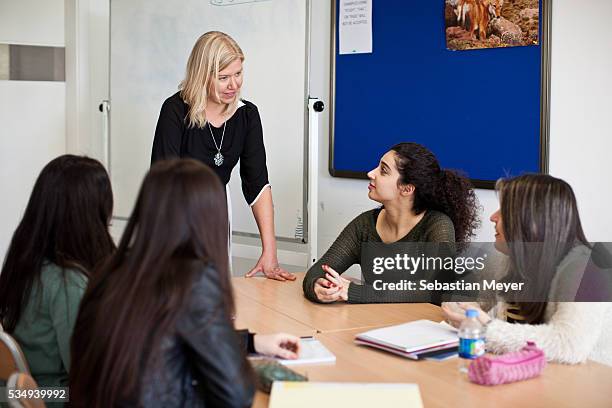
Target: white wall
<point x="32" y="22"/>
<point x="32" y="113"/>
<point x="581" y="130"/>
<point x="580" y="127"/>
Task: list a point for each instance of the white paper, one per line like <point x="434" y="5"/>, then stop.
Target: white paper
<point x="312" y="351"/>
<point x="355" y="26"/>
<point x="309" y="394"/>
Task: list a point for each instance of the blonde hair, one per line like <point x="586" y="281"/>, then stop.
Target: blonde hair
<point x="212" y="53"/>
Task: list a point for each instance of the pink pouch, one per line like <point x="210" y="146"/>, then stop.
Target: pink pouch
<point x="520" y="365"/>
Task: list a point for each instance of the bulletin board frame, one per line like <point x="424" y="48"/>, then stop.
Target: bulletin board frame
<point x="538" y="149"/>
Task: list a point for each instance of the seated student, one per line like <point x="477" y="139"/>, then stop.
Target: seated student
<point x="155" y="328"/>
<point x="542" y="209"/>
<point x="63" y="234"/>
<point x="420" y="203"/>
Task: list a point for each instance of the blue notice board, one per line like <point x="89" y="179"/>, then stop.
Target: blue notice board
<point x="483" y="112"/>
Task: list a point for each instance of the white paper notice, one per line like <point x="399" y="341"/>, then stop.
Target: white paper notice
<point x="355" y="22"/>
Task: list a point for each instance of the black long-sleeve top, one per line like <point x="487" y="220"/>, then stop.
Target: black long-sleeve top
<point x="243" y="140"/>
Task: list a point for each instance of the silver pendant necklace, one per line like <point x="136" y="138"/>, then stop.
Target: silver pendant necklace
<point x="218" y="157"/>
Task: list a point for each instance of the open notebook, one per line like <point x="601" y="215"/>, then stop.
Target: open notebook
<point x="312" y="351"/>
<point x="413" y="340"/>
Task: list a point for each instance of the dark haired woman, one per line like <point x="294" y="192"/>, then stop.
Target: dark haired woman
<point x="420" y="203"/>
<point x="542" y="209"/>
<point x="154" y="327"/>
<point x="63" y="234"/>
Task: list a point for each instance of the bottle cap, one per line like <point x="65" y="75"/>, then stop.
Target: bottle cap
<point x="471" y="313"/>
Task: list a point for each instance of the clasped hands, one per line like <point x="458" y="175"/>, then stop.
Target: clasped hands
<point x="331" y="288"/>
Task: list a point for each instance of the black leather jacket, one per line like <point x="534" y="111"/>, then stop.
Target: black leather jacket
<point x="203" y="363"/>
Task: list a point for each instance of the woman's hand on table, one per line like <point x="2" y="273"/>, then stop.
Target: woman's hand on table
<point x="268" y="265"/>
<point x="280" y="345"/>
<point x="333" y="287"/>
<point x="454" y="312"/>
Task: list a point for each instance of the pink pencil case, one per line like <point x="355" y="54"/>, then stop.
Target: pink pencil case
<point x="520" y="365"/>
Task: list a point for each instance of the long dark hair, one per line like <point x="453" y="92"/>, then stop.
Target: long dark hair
<point x="438" y="189"/>
<point x="65" y="222"/>
<point x="541" y="209"/>
<point x="178" y="225"/>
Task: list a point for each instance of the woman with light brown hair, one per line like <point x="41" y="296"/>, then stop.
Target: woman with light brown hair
<point x="538" y="227"/>
<point x="206" y="120"/>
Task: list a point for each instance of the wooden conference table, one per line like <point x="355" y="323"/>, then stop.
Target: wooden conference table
<point x="267" y="306"/>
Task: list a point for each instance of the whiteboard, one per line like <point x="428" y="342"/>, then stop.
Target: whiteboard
<point x="150" y="42"/>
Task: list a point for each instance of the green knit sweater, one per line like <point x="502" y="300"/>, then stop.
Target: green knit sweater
<point x="45" y="326"/>
<point x="346" y="251"/>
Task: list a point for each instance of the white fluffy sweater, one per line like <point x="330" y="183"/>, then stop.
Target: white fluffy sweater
<point x="572" y="333"/>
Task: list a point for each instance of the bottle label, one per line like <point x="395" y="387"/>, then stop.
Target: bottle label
<point x="471" y="348"/>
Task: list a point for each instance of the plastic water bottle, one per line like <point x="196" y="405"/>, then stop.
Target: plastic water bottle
<point x="471" y="340"/>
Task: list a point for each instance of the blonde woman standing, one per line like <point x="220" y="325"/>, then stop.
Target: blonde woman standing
<point x="206" y="120"/>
